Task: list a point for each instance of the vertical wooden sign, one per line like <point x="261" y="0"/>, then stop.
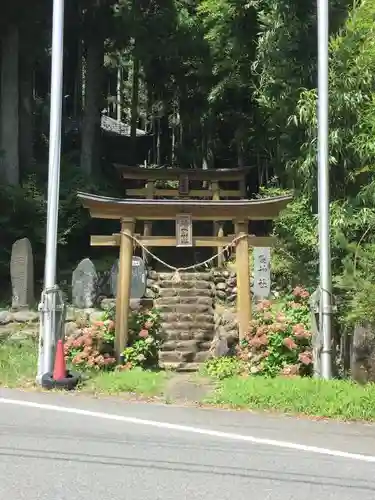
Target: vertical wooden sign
<point x="184" y="230"/>
<point x="262" y="272"/>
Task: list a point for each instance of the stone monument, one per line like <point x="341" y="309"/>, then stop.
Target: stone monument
<point x="84" y="282"/>
<point x="139" y="278"/>
<point x="22" y="274"/>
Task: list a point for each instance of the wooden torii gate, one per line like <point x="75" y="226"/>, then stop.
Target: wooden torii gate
<point x="188" y="183"/>
<point x="129" y="211"/>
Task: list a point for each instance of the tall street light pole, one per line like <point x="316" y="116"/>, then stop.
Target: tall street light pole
<point x="50" y="293"/>
<point x="323" y="192"/>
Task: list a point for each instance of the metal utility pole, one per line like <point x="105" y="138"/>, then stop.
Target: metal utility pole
<point x="325" y="310"/>
<point x="51" y="294"/>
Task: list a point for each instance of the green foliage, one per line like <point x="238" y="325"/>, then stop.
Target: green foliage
<point x="279" y="338"/>
<point x="23" y="212"/>
<point x="93" y="347"/>
<point x="136" y="381"/>
<point x="18" y="362"/>
<point x="338" y="399"/>
<point x="223" y="367"/>
<point x="144" y="340"/>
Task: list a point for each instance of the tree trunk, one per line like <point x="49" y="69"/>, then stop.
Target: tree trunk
<point x="78" y="83"/>
<point x="239" y="139"/>
<point x="90" y="138"/>
<point x="119" y="94"/>
<point x="26" y="117"/>
<point x="9" y="125"/>
<point x="135" y="100"/>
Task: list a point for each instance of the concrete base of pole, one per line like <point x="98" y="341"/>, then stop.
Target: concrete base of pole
<point x="52" y="320"/>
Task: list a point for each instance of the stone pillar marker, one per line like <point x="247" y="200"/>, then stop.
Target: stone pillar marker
<point x="22" y="274"/>
<point x="84" y="282"/>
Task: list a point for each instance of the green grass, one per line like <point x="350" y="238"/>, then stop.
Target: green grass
<point x="331" y="399"/>
<point x="18" y="364"/>
<point x="145" y="383"/>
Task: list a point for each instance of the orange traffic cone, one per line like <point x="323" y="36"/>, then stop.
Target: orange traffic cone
<point x="59" y="370"/>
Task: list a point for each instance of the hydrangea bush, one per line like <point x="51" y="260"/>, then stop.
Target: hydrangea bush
<point x="93" y="347"/>
<point x="144" y="340"/>
<point x="279" y="338"/>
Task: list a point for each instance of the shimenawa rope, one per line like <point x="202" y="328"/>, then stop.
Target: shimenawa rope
<point x="177" y="270"/>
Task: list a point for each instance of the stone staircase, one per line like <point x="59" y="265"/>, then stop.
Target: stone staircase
<point x="188" y="322"/>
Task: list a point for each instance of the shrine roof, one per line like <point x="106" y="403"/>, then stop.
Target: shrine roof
<point x="156" y="174"/>
<point x="102" y="207"/>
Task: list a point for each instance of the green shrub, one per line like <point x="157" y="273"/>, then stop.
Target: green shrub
<point x="224" y="367"/>
<point x="144" y="340"/>
<point x="93" y="347"/>
<point x="279" y="337"/>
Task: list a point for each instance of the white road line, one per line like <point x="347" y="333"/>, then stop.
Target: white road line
<point x="193" y="430"/>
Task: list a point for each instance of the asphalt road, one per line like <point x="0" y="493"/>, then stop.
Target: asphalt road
<point x="54" y="455"/>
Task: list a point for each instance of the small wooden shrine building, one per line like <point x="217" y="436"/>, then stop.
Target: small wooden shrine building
<point x="183" y="204"/>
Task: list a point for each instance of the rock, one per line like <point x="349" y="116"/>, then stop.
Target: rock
<point x="188" y="356"/>
<point x="71" y="329"/>
<point x="107" y="304"/>
<point x="134" y="304"/>
<point x="202" y="356"/>
<point x="219" y="279"/>
<point x="5" y="317"/>
<point x="26" y="316"/>
<point x="95" y="316"/>
<point x="150" y="294"/>
<point x="220" y="294"/>
<point x="229" y="317"/>
<point x="221" y="286"/>
<point x="232" y="297"/>
<point x="70" y="314"/>
<point x="363" y="353"/>
<point x="232" y="282"/>
<point x="220" y="347"/>
<point x="169" y="357"/>
<point x="152" y="274"/>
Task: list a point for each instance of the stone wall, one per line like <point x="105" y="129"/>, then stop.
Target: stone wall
<point x="223" y="285"/>
<point x="18" y="325"/>
<point x="24" y="324"/>
<point x="198" y="316"/>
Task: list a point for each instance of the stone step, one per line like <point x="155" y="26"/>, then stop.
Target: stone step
<point x="188" y="326"/>
<point x="202" y="276"/>
<point x="178" y="300"/>
<point x="179" y="366"/>
<point x="178" y="359"/>
<point x="185" y="292"/>
<point x="182" y="335"/>
<point x="192" y="309"/>
<point x="194" y="319"/>
<point x="198" y="284"/>
<point x="192" y="345"/>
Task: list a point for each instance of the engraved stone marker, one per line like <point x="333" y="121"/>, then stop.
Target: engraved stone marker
<point x="139" y="281"/>
<point x="84" y="281"/>
<point x="22" y="274"/>
<point x="262" y="272"/>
